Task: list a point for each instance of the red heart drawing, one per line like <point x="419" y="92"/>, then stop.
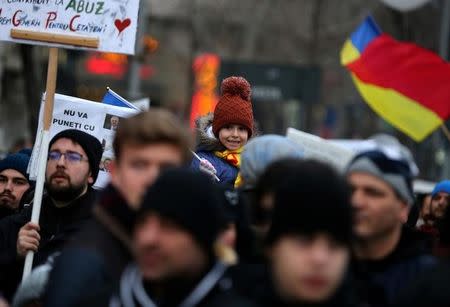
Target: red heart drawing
<point x="122" y="24"/>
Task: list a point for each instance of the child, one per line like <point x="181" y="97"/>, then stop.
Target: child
<point x="221" y="136"/>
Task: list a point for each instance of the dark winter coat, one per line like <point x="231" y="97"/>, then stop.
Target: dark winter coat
<point x="93" y="263"/>
<point x="206" y="145"/>
<point x="6" y="211"/>
<point x="57" y="227"/>
<point x="214" y="289"/>
<point x="379" y="282"/>
<point x="429" y="289"/>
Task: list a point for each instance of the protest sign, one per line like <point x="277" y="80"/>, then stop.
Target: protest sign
<point x="107" y="26"/>
<point x="98" y="119"/>
<point x="355" y="145"/>
<point x="339" y="152"/>
<point x="423" y="186"/>
<point x="385" y="143"/>
<point x="112" y="24"/>
<point x="320" y="149"/>
<point x="142" y="104"/>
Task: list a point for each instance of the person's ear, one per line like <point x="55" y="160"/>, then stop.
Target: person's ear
<point x="404" y="212"/>
<point x="113" y="171"/>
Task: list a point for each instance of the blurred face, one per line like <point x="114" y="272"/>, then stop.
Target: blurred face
<point x="139" y="166"/>
<point x="12" y="186"/>
<point x="107" y="164"/>
<point x="439" y="204"/>
<point x="67" y="177"/>
<point x="308" y="268"/>
<point x="425" y="211"/>
<point x="262" y="214"/>
<point x="233" y="136"/>
<point x="164" y="250"/>
<point x="378" y="210"/>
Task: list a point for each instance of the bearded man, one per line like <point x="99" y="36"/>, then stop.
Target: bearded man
<point x="72" y="168"/>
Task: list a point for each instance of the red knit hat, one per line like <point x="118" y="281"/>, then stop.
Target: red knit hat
<point x="234" y="106"/>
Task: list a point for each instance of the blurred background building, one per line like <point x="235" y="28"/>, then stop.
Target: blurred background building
<point x="287" y="49"/>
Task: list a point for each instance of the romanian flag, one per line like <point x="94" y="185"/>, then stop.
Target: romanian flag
<point x="406" y="85"/>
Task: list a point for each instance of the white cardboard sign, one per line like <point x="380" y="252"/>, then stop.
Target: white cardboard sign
<point x="320" y="149"/>
<point x="113" y="22"/>
<point x="98" y="119"/>
<point x="142" y="104"/>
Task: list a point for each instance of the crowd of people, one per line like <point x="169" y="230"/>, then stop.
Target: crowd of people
<point x="234" y="218"/>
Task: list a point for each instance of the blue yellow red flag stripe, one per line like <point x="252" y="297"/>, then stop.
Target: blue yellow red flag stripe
<point x="403" y="83"/>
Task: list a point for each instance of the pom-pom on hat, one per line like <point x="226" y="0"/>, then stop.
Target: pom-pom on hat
<point x="234" y="106"/>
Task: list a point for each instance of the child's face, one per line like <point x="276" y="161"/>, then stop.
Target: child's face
<point x="233" y="136"/>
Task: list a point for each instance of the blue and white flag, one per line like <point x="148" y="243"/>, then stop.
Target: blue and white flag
<point x="114" y="99"/>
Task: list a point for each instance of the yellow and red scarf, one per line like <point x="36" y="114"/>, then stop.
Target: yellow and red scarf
<point x="233" y="157"/>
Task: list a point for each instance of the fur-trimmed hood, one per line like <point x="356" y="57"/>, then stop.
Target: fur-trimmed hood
<point x="205" y="139"/>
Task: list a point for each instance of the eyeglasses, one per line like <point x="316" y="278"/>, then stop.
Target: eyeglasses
<point x="70" y="156"/>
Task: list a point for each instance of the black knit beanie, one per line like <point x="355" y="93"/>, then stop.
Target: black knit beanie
<point x="17" y="161"/>
<point x="90" y="145"/>
<point x="312" y="199"/>
<point x="191" y="200"/>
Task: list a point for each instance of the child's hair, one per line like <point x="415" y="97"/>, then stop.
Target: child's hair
<point x="234" y="106"/>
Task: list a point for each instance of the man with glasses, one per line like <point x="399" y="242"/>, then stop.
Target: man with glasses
<point x="72" y="168"/>
<point x="13" y="182"/>
<point x="145" y="145"/>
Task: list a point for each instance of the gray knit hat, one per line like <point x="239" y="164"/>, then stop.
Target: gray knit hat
<point x="262" y="151"/>
<point x="395" y="172"/>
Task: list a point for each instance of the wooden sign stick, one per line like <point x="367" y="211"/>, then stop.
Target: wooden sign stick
<point x="445" y="131"/>
<point x="52" y="71"/>
<point x="48" y="111"/>
<point x="81" y="41"/>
